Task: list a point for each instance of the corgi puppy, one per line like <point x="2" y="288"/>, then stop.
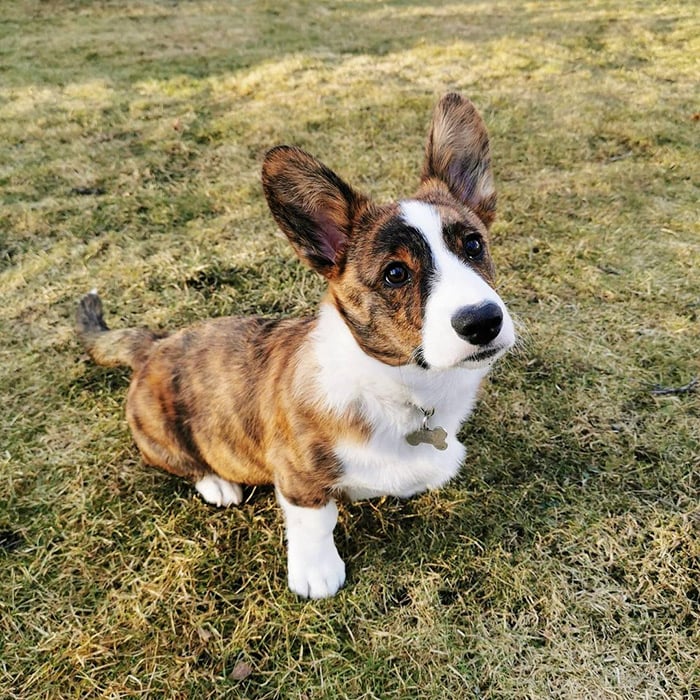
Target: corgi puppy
<point x="365" y="398"/>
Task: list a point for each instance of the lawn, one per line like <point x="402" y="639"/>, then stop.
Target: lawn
<point x="564" y="561"/>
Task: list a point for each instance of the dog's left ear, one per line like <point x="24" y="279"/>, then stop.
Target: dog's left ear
<point x="311" y="204"/>
<point x="457" y="153"/>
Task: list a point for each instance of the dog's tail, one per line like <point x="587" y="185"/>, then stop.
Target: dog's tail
<point x="127" y="346"/>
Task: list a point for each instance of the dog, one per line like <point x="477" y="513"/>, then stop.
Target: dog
<point x="363" y="399"/>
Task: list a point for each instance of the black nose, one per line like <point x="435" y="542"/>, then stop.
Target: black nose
<point x="478" y="324"/>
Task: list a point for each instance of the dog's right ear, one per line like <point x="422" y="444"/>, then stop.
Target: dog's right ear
<point x="311" y="204"/>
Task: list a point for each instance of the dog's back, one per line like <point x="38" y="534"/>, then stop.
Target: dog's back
<point x="203" y="395"/>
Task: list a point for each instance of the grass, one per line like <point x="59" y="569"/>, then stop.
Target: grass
<point x="564" y="562"/>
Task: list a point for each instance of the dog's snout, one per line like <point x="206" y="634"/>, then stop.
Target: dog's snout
<point x="478" y="324"/>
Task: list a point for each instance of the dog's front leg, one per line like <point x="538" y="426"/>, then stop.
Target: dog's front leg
<point x="315" y="570"/>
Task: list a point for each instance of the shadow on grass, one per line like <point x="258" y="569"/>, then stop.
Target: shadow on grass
<point x="161" y="42"/>
<point x="241" y="37"/>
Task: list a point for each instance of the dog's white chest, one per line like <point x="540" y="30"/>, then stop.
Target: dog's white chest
<point x="388" y="466"/>
<point x="393" y="402"/>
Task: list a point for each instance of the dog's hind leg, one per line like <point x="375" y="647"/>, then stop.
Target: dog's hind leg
<point x="213" y="488"/>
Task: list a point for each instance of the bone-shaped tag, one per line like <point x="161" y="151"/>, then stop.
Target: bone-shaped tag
<point x="429" y="436"/>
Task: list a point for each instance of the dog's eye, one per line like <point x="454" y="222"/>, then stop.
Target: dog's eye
<point x="396" y="275"/>
<point x="473" y="247"/>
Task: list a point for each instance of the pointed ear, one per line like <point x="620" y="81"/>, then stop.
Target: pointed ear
<point x="457" y="153"/>
<point x="311" y="204"/>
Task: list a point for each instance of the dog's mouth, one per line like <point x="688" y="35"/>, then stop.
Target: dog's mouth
<point x="481" y="358"/>
<point x="419" y="359"/>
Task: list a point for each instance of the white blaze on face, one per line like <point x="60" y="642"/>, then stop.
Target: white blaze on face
<point x="455" y="285"/>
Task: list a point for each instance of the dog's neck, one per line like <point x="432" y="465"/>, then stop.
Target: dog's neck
<point x="348" y="377"/>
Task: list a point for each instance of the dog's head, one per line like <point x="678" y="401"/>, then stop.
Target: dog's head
<point x="413" y="279"/>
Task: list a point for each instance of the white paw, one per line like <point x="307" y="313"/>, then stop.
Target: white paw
<point x="314" y="569"/>
<point x="316" y="576"/>
<point x="219" y="492"/>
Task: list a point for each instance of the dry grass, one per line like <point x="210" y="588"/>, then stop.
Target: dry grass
<point x="565" y="561"/>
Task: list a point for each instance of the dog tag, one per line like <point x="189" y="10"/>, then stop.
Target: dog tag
<point x="429" y="436"/>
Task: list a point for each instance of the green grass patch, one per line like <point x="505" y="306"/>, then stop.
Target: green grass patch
<point x="564" y="562"/>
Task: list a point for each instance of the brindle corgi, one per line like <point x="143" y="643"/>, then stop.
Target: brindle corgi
<point x="363" y="399"/>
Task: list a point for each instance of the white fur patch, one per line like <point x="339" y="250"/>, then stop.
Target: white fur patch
<point x="219" y="492"/>
<point x="390" y="399"/>
<point x="314" y="568"/>
<point x="455" y="286"/>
